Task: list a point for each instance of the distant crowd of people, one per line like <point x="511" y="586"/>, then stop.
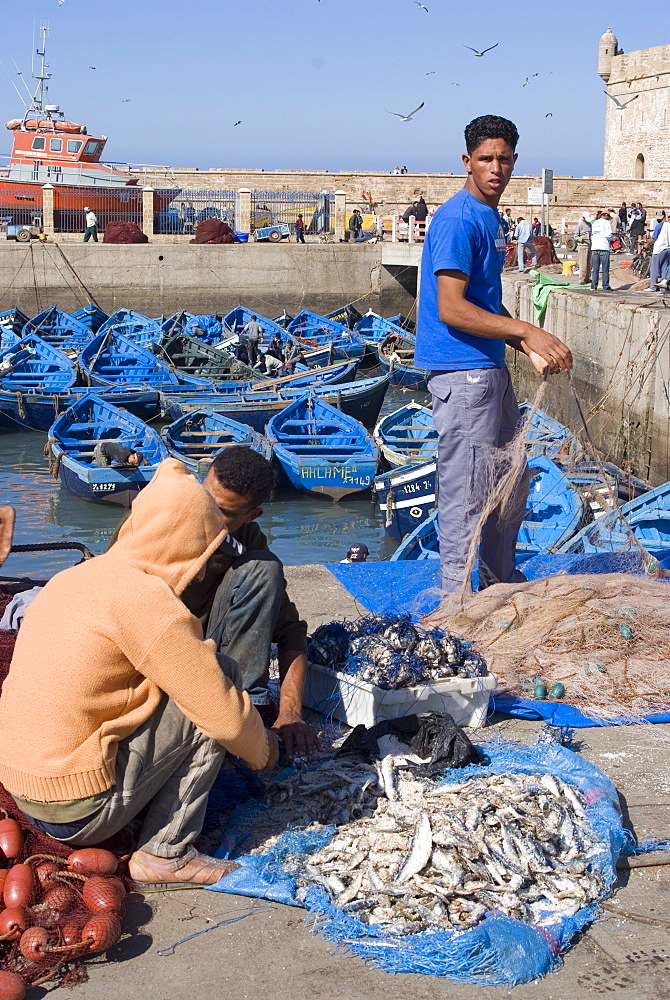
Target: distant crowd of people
<point x="625" y="229"/>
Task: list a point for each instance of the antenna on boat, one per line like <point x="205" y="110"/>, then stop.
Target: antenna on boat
<point x="13" y="83"/>
<point x="19" y="73"/>
<point x="43" y="75"/>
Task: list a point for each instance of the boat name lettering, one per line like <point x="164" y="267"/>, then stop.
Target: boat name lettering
<point x="347" y="475"/>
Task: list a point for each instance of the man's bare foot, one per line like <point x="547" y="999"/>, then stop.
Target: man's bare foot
<point x="192" y="869"/>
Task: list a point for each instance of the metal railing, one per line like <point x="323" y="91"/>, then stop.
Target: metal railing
<point x="109" y="204"/>
<point x="23" y="204"/>
<point x="271" y="207"/>
<point x="188" y="208"/>
<point x="396" y="230"/>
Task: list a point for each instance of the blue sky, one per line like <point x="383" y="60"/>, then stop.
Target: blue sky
<point x="313" y="80"/>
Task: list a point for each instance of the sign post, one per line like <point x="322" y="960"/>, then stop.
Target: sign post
<point x="547" y="189"/>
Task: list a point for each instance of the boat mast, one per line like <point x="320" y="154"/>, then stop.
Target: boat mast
<point x="42" y="76"/>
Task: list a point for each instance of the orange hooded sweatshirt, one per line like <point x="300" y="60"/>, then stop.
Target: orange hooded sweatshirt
<point x="102" y="641"/>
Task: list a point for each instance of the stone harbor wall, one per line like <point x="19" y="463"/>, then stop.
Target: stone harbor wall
<point x="621" y="373"/>
<point x="158" y="279"/>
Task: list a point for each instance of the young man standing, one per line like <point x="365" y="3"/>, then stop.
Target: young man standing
<point x="91" y="229"/>
<point x="524" y="238"/>
<point x="601" y="241"/>
<point x="462" y="331"/>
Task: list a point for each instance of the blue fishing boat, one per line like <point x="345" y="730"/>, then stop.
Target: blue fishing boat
<point x="647" y="517"/>
<point x="144" y="331"/>
<point x="36" y="411"/>
<point x="406" y="497"/>
<point x="236" y="320"/>
<point x="374" y="328"/>
<point x="547" y="436"/>
<point x="201" y="360"/>
<point x="347" y="316"/>
<point x="201" y="434"/>
<point x="361" y="400"/>
<point x="207" y="327"/>
<point x="111" y="358"/>
<point x="59" y="329"/>
<point x="407" y="436"/>
<point x="554" y="511"/>
<point x="12" y="323"/>
<point x="91" y="316"/>
<point x="321" y="450"/>
<point x="312" y="330"/>
<point x="32" y="365"/>
<point x="396" y="356"/>
<point x="72" y="440"/>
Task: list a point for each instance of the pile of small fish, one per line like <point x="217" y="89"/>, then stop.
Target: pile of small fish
<point x="417" y="855"/>
<point x="391" y="652"/>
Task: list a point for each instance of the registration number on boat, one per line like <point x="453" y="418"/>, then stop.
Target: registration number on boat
<point x="102" y="487"/>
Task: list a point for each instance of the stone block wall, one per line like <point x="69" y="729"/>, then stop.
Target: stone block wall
<point x="643" y="129"/>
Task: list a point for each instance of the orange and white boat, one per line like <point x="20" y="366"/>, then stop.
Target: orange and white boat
<point x="49" y="150"/>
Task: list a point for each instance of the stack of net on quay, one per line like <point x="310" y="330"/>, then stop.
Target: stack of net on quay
<point x="391" y="652"/>
<point x="598" y="642"/>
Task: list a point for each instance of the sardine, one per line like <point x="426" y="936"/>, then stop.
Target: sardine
<point x="419" y="852"/>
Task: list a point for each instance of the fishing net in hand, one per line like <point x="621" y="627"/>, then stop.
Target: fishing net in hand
<point x="598" y="642"/>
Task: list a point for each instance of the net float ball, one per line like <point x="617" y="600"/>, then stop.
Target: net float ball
<point x="12" y="987"/>
<point x="92" y="861"/>
<point x="4" y="872"/>
<point x="557" y="691"/>
<point x="100" y="894"/>
<point x="11" y="838"/>
<point x="19" y="887"/>
<point x="13" y="922"/>
<point x="34" y="943"/>
<point x="45" y="873"/>
<point x="60" y="898"/>
<point x="540" y="691"/>
<point x="102" y="931"/>
<point x="70" y="933"/>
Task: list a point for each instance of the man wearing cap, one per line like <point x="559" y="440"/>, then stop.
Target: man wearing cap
<point x="357" y="553"/>
<point x="91" y="226"/>
<point x="660" y="255"/>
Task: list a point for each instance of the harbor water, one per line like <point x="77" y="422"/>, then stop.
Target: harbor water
<point x="302" y="528"/>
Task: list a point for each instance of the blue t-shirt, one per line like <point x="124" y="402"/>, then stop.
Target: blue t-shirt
<point x="465" y="235"/>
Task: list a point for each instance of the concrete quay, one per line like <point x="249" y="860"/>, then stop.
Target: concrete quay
<point x="625" y="955"/>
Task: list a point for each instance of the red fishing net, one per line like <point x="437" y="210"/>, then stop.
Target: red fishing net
<point x="55" y="912"/>
<point x="214" y="231"/>
<point x="124" y="232"/>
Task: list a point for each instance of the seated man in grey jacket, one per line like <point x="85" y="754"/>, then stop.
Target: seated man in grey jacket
<point x="243" y="600"/>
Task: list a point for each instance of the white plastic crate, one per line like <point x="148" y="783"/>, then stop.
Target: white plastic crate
<point x="358" y="702"/>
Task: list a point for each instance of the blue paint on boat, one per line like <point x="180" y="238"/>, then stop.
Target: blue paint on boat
<point x="12" y="323"/>
<point x="111" y="359"/>
<point x="201" y="434"/>
<point x="362" y="400"/>
<point x="90" y="316"/>
<point x="312" y="330"/>
<point x="144" y="331"/>
<point x="59" y="329"/>
<point x="72" y="439"/>
<point x="547" y="436"/>
<point x="36" y="411"/>
<point x="554" y="511"/>
<point x="407" y="436"/>
<point x="236" y="320"/>
<point x="33" y="365"/>
<point x="647" y="517"/>
<point x="321" y="450"/>
<point x="406" y="497"/>
<point x="374" y="328"/>
<point x="207" y="327"/>
<point x="395" y="354"/>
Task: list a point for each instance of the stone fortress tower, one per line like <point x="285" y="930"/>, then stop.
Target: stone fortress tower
<point x="637" y="140"/>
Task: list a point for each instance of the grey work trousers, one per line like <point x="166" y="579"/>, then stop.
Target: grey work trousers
<point x="243" y="618"/>
<point x="476" y="415"/>
<point x="168" y="765"/>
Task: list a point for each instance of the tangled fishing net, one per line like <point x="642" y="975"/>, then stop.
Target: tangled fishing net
<point x="124" y="232"/>
<point x="599" y="642"/>
<point x="391" y="652"/>
<point x="57" y="906"/>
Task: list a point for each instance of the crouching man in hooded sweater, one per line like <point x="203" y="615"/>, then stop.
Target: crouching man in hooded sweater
<point x="116" y="705"/>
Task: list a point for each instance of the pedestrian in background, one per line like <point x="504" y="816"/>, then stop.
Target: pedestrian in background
<point x="601" y="239"/>
<point x="636" y="228"/>
<point x="355" y="226"/>
<point x="524" y="238"/>
<point x="583" y="235"/>
<point x="623" y="217"/>
<point x="254" y="336"/>
<point x="537" y="227"/>
<point x="299" y="230"/>
<point x="660" y="219"/>
<point x="421" y="210"/>
<point x="660" y="257"/>
<point x="91" y="229"/>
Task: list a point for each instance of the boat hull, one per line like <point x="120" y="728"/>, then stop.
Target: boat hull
<point x="319" y="475"/>
<point x="107" y="486"/>
<point x="406" y="497"/>
<point x="37" y="411"/>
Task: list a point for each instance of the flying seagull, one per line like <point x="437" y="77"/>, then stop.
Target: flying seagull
<point x="407" y="118"/>
<point x="484" y="51"/>
<point x="536" y="74"/>
<point x="455" y="85"/>
<point x="549" y="114"/>
<point x="621" y="106"/>
<point x="422" y="6"/>
<point x="126" y="100"/>
<point x="237" y="123"/>
<point x="431" y="72"/>
<point x="91" y="67"/>
<point x="526" y="82"/>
